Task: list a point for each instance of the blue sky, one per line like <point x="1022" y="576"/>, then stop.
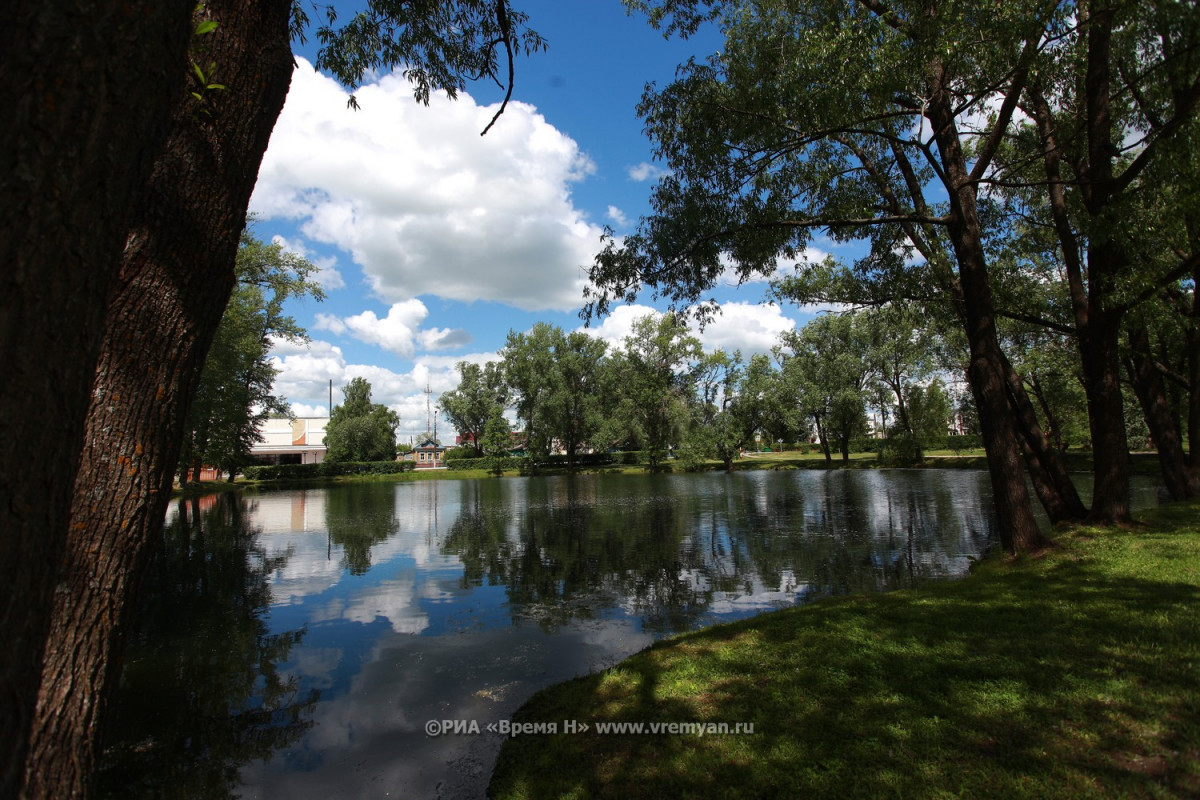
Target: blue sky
<point x="434" y="242"/>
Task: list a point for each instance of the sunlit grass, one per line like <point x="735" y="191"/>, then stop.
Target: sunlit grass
<point x="1070" y="675"/>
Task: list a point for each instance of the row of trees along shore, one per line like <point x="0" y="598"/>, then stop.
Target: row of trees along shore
<point x="1028" y="162"/>
<point x="660" y="392"/>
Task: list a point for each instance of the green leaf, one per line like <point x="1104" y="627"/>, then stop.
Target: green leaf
<point x="208" y="26"/>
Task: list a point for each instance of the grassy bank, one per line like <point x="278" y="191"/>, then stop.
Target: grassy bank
<point x="1076" y="674"/>
<point x="1141" y="464"/>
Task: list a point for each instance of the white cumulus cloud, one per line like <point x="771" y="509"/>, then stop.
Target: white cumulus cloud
<point x="422" y="202"/>
<point x="618" y="216"/>
<point x="399" y="332"/>
<point x="749" y="327"/>
<point x="615" y="327"/>
<point x="646" y="171"/>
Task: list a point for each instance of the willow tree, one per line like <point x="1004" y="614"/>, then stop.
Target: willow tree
<point x="870" y="120"/>
<point x="656" y="384"/>
<point x="580" y="392"/>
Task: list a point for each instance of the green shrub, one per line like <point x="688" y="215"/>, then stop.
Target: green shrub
<point x="959" y="443"/>
<point x="490" y="463"/>
<point x="901" y="450"/>
<point x="865" y="444"/>
<point x="325" y="469"/>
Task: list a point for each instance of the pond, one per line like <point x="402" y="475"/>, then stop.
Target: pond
<point x="296" y="643"/>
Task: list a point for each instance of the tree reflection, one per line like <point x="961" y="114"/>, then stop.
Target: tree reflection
<point x="201" y="693"/>
<point x="360" y="516"/>
<point x="663" y="548"/>
<point x="565" y="554"/>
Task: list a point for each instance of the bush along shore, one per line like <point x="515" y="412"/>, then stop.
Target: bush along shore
<point x="1071" y="674"/>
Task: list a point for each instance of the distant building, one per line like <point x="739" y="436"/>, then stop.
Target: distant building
<point x="291" y="441"/>
<point x="428" y="454"/>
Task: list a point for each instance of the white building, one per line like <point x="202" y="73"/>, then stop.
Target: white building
<point x="292" y="441"/>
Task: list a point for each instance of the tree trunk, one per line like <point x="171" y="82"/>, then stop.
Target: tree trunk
<point x="823" y="440"/>
<point x="1193" y="395"/>
<point x="1192" y="343"/>
<point x="85" y="89"/>
<point x="1098" y="339"/>
<point x="175" y="279"/>
<point x="1097" y="327"/>
<point x="1106" y="415"/>
<point x="901" y="407"/>
<point x="1047" y="472"/>
<point x="1051" y="419"/>
<point x="1160" y="417"/>
<point x="1017" y="526"/>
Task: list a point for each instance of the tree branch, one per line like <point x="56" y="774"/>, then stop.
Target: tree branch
<point x="506" y="33"/>
<point x="1020" y="74"/>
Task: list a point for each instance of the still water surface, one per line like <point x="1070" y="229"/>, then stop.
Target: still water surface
<point x="295" y="643"/>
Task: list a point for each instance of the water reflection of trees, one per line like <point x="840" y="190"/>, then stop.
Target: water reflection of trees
<point x="360" y="516"/>
<point x="564" y="553"/>
<point x="663" y="548"/>
<point x="852" y="531"/>
<point x="201" y="693"/>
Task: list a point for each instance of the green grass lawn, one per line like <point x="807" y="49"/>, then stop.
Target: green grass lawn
<point x="1074" y="674"/>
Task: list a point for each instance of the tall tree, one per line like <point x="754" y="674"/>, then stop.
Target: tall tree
<point x="765" y="147"/>
<point x="528" y="367"/>
<point x="829" y="372"/>
<point x="579" y="396"/>
<point x="236" y="391"/>
<point x="930" y="410"/>
<point x="60" y="249"/>
<point x="900" y="351"/>
<point x="175" y="278"/>
<point x="658" y="356"/>
<point x="481" y="390"/>
<point x="1124" y="83"/>
<point x="360" y="430"/>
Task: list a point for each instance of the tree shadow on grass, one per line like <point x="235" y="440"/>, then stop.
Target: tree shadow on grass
<point x="1048" y="681"/>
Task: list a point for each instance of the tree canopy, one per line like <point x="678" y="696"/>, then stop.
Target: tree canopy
<point x="360" y="430"/>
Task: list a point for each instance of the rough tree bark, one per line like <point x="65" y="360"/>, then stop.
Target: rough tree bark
<point x="175" y="278"/>
<point x="1047" y="471"/>
<point x="1018" y="527"/>
<point x="85" y="89"/>
<point x="1161" y="419"/>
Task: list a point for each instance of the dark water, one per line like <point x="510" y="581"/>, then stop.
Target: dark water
<point x="295" y="644"/>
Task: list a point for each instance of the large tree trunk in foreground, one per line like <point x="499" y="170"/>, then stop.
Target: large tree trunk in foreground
<point x="85" y="89"/>
<point x="175" y="280"/>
